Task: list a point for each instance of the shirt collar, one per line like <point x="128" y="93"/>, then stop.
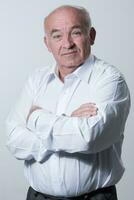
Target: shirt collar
<point x="53" y="72"/>
<point x="83" y="72"/>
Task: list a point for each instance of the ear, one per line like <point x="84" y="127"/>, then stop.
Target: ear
<point x="92" y="35"/>
<point x="47" y="43"/>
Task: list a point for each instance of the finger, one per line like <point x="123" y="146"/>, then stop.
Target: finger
<point x="75" y="113"/>
<point x="86" y="110"/>
<point x="84" y="114"/>
<point x="88" y="105"/>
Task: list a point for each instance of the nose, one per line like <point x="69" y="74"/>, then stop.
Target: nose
<point x="67" y="42"/>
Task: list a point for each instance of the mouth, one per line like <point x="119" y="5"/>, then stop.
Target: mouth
<point x="69" y="53"/>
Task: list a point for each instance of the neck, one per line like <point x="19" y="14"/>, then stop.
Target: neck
<point x="64" y="71"/>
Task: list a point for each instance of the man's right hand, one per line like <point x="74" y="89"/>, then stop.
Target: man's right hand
<point x="85" y="110"/>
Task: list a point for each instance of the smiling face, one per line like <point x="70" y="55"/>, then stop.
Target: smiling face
<point x="67" y="37"/>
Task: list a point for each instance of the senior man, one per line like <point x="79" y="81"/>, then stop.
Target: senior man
<point x="69" y="121"/>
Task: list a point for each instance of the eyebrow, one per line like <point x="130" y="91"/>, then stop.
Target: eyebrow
<point x="58" y="30"/>
<point x="76" y="26"/>
<point x="54" y="31"/>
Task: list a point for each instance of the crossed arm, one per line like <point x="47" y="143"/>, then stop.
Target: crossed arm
<point x="27" y="142"/>
<point x="38" y="133"/>
<point x="85" y="110"/>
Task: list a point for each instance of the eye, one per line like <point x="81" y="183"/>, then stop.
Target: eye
<point x="76" y="32"/>
<point x="56" y="36"/>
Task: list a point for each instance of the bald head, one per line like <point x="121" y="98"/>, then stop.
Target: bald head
<point x="81" y="12"/>
<point x="69" y="36"/>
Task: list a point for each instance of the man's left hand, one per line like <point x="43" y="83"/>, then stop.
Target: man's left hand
<point x="85" y="110"/>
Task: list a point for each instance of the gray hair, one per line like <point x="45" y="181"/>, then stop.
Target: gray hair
<point x="80" y="9"/>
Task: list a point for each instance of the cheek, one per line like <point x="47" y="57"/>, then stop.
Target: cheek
<point x="82" y="44"/>
<point x="54" y="49"/>
<point x="86" y="45"/>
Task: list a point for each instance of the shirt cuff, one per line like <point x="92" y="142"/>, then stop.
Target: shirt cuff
<point x="45" y="121"/>
<point x="31" y="123"/>
<point x="42" y="121"/>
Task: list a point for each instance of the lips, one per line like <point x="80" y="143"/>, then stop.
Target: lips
<point x="69" y="53"/>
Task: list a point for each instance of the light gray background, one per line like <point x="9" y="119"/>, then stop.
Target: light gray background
<point x="22" y="50"/>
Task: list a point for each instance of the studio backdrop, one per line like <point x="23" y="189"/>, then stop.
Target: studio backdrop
<point x="22" y="50"/>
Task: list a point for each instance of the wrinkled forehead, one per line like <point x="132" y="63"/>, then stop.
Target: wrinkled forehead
<point x="60" y="18"/>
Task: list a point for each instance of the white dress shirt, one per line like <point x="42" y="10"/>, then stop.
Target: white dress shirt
<point x="64" y="155"/>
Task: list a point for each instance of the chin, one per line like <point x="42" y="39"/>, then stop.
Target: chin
<point x="73" y="63"/>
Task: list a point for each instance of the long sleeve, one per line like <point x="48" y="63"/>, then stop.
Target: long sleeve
<point x="93" y="134"/>
<point x="22" y="142"/>
<point x="46" y="133"/>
